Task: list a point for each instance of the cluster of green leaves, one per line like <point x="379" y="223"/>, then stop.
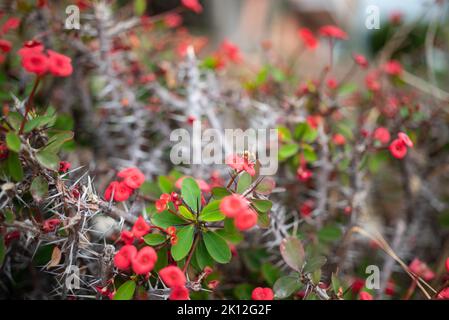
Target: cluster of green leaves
<point x="297" y="141"/>
<point x="49" y="125"/>
<point x="203" y="231"/>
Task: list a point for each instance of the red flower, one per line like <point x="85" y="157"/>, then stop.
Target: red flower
<point x="357" y="285"/>
<point x="260" y="293"/>
<point x="230" y="51"/>
<point x="331" y="31"/>
<point x="390" y="289"/>
<point x="393" y="68"/>
<point x="233" y="205"/>
<point x="140" y="227"/>
<point x="59" y="64"/>
<point x="5" y="45"/>
<point x="173" y="20"/>
<point x="10" y="24"/>
<point x="372" y="81"/>
<point x="144" y="261"/>
<point x="133" y="177"/>
<point x="123" y="258"/>
<point x="120" y="190"/>
<point x="360" y="60"/>
<point x="308" y="38"/>
<point x="240" y="163"/>
<point x="162" y="203"/>
<point x="35" y="62"/>
<point x="365" y="296"/>
<point x="404" y="138"/>
<point x="444" y="294"/>
<point x="172" y="277"/>
<point x="50" y="225"/>
<point x="11" y="236"/>
<point x="332" y="84"/>
<point x="245" y="220"/>
<point x="64" y="166"/>
<point x="398" y="149"/>
<point x="421" y="269"/>
<point x="4" y="151"/>
<point x="303" y="174"/>
<point x="30" y="46"/>
<point x="313" y="121"/>
<point x="179" y="293"/>
<point x="339" y="139"/>
<point x="127" y="237"/>
<point x="382" y="135"/>
<point x="306" y="208"/>
<point x="193" y="5"/>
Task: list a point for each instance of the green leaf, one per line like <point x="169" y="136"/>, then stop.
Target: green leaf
<point x="39" y="188"/>
<point x="220" y="192"/>
<point x="270" y="273"/>
<point x="286" y="286"/>
<point x="140" y="7"/>
<point x="292" y="252"/>
<point x="191" y="193"/>
<point x="314" y="263"/>
<point x="285" y="133"/>
<point x="263" y="220"/>
<point x="244" y="182"/>
<point x="154" y="239"/>
<point x="217" y="247"/>
<point x="288" y="150"/>
<point x="13" y="141"/>
<point x="48" y="159"/>
<point x="329" y="233"/>
<point x="166" y="219"/>
<point x="186" y="213"/>
<point x="39" y="121"/>
<point x="185" y="241"/>
<point x="203" y="257"/>
<point x="56" y="141"/>
<point x="15" y="166"/>
<point x="230" y="232"/>
<point x="262" y="205"/>
<point x="266" y="186"/>
<point x="243" y="291"/>
<point x="310" y="155"/>
<point x="165" y="184"/>
<point x="335" y="283"/>
<point x="126" y="291"/>
<point x="211" y="212"/>
<point x="15" y="119"/>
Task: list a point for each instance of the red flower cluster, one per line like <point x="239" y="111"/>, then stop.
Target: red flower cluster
<point x="338" y="139"/>
<point x="133" y="178"/>
<point x="421" y="269"/>
<point x="5" y="45"/>
<point x="382" y="135"/>
<point x="50" y="225"/>
<point x="333" y="32"/>
<point x="398" y="147"/>
<point x="447" y="264"/>
<point x="303" y="174"/>
<point x="193" y="5"/>
<point x="260" y="293"/>
<point x="365" y="296"/>
<point x="173" y="20"/>
<point x="444" y="294"/>
<point x="360" y="60"/>
<point x="393" y="68"/>
<point x="142" y="261"/>
<point x="64" y="166"/>
<point x="307" y="37"/>
<point x="35" y="60"/>
<point x="175" y="279"/>
<point x="241" y="163"/>
<point x="237" y="207"/>
<point x="306" y="208"/>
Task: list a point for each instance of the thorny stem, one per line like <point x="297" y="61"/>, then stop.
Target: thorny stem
<point x="233" y="179"/>
<point x="29" y="104"/>
<point x="411" y="290"/>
